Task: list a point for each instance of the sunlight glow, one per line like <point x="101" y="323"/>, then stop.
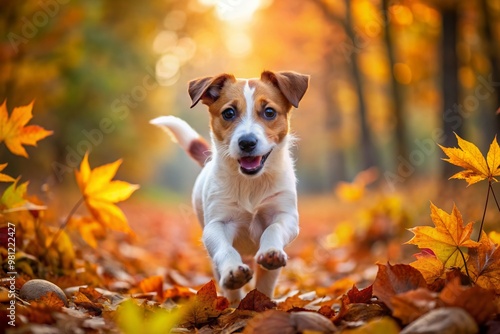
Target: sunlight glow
<point x="239" y="44"/>
<point x="234" y="10"/>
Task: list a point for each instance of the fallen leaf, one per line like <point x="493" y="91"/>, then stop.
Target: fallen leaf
<point x="385" y="325"/>
<point x="153" y="284"/>
<point x="205" y="306"/>
<point x="15" y="133"/>
<point x="429" y="266"/>
<point x="274" y="321"/>
<point x="51" y="301"/>
<point x="392" y="280"/>
<point x="81" y="300"/>
<point x="360" y="296"/>
<point x="292" y="302"/>
<point x="256" y="301"/>
<point x="412" y="304"/>
<point x="446" y="239"/>
<point x="92" y="294"/>
<point x="359" y="312"/>
<point x="478" y="302"/>
<point x="100" y="193"/>
<point x="469" y="157"/>
<point x="484" y="264"/>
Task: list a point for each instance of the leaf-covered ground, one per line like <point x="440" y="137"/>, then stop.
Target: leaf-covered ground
<point x="95" y="267"/>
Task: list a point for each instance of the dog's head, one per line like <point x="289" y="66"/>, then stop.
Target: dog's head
<point x="249" y="117"/>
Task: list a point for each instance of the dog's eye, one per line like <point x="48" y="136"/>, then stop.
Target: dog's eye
<point x="228" y="114"/>
<point x="270" y="113"/>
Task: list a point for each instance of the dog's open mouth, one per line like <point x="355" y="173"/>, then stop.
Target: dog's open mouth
<point x="251" y="165"/>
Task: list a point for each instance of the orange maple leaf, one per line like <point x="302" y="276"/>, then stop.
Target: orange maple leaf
<point x="446" y="238"/>
<point x="14" y="132"/>
<point x="484" y="264"/>
<point x="205" y="306"/>
<point x="468" y="156"/>
<point x="429" y="266"/>
<point x="100" y="193"/>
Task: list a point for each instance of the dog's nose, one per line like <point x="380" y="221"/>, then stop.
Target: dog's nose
<point x="247" y="143"/>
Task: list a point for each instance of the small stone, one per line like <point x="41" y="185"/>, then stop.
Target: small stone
<point x="445" y="320"/>
<point x="37" y="288"/>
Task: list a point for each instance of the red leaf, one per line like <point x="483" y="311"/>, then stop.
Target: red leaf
<point x="256" y="301"/>
<point x="360" y="296"/>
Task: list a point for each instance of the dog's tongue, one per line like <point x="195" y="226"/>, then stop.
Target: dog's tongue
<point x="250" y="162"/>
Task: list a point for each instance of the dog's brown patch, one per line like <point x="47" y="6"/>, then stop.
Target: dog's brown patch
<point x="199" y="150"/>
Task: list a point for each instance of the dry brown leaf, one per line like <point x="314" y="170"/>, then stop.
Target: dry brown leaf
<point x="479" y="302"/>
<point x="205" y="306"/>
<point x="293" y="302"/>
<point x="392" y="280"/>
<point x="410" y="305"/>
<point x="256" y="301"/>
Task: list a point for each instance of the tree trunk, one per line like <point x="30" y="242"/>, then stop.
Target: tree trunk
<point x="452" y="120"/>
<point x="494" y="57"/>
<point x="367" y="147"/>
<point x="397" y="89"/>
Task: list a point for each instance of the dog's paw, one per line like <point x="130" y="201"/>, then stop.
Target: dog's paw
<point x="237" y="276"/>
<point x="272" y="259"/>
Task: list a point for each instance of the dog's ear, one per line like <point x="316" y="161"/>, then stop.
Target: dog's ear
<point x="292" y="85"/>
<point x="207" y="89"/>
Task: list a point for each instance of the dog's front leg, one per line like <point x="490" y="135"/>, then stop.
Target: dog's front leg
<point x="231" y="272"/>
<point x="275" y="237"/>
<point x="271" y="256"/>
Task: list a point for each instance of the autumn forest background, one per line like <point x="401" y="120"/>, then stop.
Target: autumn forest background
<point x="390" y="82"/>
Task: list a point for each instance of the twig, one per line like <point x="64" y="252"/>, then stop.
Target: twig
<point x="484" y="212"/>
<point x="465" y="264"/>
<point x="491" y="188"/>
<point x="66" y="221"/>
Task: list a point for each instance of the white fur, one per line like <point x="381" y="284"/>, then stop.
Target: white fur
<point x="178" y="130"/>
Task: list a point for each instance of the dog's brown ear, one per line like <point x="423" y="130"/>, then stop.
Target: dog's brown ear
<point x="207" y="89"/>
<point x="293" y="85"/>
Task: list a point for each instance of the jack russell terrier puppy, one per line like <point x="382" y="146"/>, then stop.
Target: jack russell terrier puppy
<point x="245" y="196"/>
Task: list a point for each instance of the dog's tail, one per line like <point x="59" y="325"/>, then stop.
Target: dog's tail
<point x="186" y="136"/>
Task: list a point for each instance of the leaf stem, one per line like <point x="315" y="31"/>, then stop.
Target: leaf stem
<point x="484" y="212"/>
<point x="465" y="264"/>
<point x="66" y="221"/>
<point x="491" y="188"/>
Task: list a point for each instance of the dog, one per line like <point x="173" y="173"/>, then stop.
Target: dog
<point x="245" y="196"/>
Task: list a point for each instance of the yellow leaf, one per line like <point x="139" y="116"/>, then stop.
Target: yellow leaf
<point x="469" y="157"/>
<point x="446" y="238"/>
<point x="14" y="131"/>
<point x="493" y="158"/>
<point x="89" y="229"/>
<point x="14" y="196"/>
<point x="4" y="177"/>
<point x="100" y="193"/>
<point x="429" y="266"/>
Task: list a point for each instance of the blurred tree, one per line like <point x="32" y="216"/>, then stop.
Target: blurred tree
<point x="492" y="50"/>
<point x="452" y="120"/>
<point x="91" y="68"/>
<point x="397" y="90"/>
